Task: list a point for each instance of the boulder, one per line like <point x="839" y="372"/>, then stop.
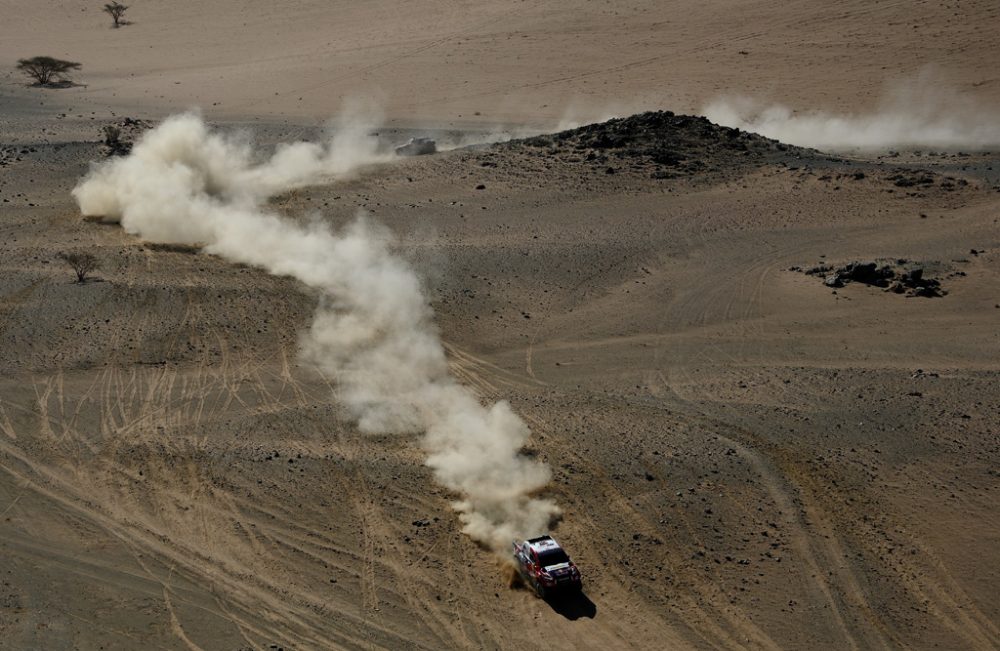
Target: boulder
<point x="417" y="147"/>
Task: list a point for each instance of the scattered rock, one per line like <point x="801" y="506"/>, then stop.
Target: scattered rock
<point x="909" y="181"/>
<point x="898" y="277"/>
<point x="925" y="291"/>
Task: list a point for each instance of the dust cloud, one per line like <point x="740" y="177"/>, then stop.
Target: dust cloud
<point x="925" y="111"/>
<point x="575" y="114"/>
<point x="373" y="330"/>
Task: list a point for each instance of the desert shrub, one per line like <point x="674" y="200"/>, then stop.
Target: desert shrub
<point x="115" y="141"/>
<point x="81" y="263"/>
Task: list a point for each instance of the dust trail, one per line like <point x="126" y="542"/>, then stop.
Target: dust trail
<point x="373" y="330"/>
<point x="573" y="117"/>
<point x="925" y="111"/>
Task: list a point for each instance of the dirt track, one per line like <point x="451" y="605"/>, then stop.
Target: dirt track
<point x="745" y="457"/>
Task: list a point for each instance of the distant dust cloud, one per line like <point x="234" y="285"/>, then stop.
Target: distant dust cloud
<point x="924" y="111"/>
<point x="373" y="330"/>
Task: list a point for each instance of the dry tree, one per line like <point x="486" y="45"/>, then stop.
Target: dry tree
<point x="46" y="69"/>
<point x="116" y="10"/>
<point x="81" y="263"/>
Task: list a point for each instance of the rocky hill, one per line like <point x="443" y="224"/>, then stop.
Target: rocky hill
<point x="661" y="143"/>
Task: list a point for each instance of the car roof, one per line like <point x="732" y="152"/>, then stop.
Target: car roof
<point x="543" y="544"/>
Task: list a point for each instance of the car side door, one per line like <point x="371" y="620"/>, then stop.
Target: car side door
<point x="522" y="557"/>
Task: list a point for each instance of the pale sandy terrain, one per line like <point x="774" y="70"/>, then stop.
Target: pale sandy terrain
<point x="745" y="457"/>
<point x="450" y="61"/>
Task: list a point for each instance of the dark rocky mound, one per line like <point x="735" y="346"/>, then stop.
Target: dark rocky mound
<point x="899" y="277"/>
<point x="661" y="143"/>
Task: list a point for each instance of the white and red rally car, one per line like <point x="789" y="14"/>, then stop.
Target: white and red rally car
<point x="545" y="567"/>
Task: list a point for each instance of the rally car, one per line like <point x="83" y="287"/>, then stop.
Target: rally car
<point x="545" y="567"/>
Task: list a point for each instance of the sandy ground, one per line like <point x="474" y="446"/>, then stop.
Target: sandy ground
<point x="746" y="457"/>
<point x="504" y="61"/>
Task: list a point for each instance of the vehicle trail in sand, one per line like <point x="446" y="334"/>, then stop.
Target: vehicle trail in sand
<point x="373" y="330"/>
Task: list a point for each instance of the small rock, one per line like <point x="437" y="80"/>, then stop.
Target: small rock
<point x="417" y="147"/>
<point x="925" y="292"/>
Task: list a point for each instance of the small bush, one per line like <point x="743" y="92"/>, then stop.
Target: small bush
<point x="115" y="142"/>
<point x="81" y="263"/>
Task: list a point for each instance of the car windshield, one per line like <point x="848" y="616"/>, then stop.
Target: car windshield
<point x="552" y="557"/>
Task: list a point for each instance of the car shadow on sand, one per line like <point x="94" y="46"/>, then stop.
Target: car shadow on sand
<point x="573" y="605"/>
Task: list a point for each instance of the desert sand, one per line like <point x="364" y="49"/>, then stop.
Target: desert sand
<point x="745" y="456"/>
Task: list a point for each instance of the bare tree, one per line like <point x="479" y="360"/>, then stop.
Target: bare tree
<point x="46" y="69"/>
<point x="82" y="264"/>
<point x="115" y="10"/>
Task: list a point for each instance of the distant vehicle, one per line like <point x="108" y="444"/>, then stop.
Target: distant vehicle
<point x="545" y="567"/>
<point x="417" y="147"/>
